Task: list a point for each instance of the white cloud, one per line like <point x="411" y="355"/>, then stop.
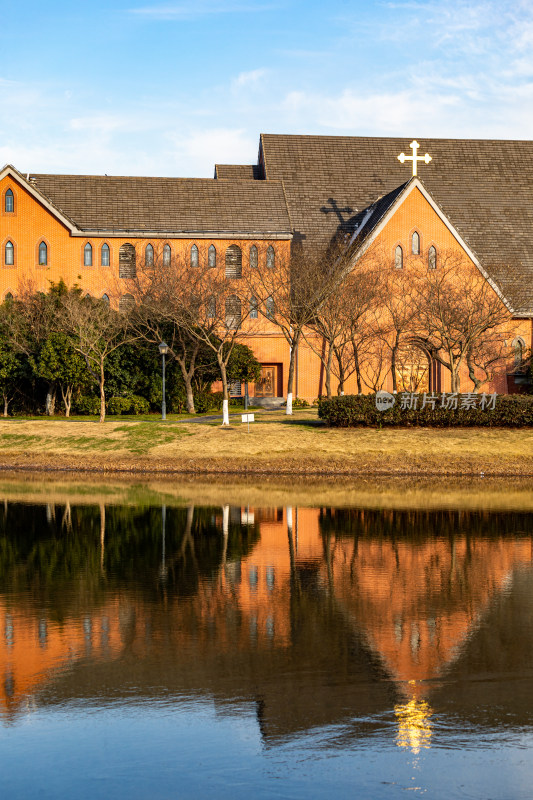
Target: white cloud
<point x="199" y="150"/>
<point x="384" y="113"/>
<point x="494" y="109"/>
<point x="251" y="78"/>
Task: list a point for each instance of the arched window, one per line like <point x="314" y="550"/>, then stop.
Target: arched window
<point x="9" y="201"/>
<point x="167" y="255"/>
<point x="233" y="262"/>
<point x="104" y="255"/>
<point x="432" y="258"/>
<point x="518" y="353"/>
<point x="415" y="244"/>
<point x="211" y="308"/>
<point x="9" y="254"/>
<point x="212" y="256"/>
<point x="126" y="303"/>
<point x="43" y="254"/>
<point x="253" y="257"/>
<point x="233" y="312"/>
<point x="398" y="258"/>
<point x="270" y="308"/>
<point x="127" y="261"/>
<point x="8" y="298"/>
<point x="105" y="299"/>
<point x="149" y="255"/>
<point x="88" y="255"/>
<point x="194" y="256"/>
<point x="254" y="308"/>
<point x="271" y="257"/>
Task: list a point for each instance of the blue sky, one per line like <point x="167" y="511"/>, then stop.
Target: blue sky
<point x="169" y="88"/>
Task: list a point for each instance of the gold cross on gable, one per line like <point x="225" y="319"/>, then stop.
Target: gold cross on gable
<point x="414" y="158"/>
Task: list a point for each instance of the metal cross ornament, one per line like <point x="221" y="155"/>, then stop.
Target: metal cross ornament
<point x="414" y="158"/>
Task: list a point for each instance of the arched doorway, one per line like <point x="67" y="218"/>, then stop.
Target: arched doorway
<point x="416" y="371"/>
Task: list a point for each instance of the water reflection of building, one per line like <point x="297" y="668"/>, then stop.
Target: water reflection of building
<point x="315" y="623"/>
<point x="34" y="648"/>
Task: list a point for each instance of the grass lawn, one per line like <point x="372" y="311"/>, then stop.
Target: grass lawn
<point x="276" y="444"/>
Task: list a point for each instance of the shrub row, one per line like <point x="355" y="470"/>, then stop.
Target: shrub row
<point x="511" y="411"/>
<point x="130" y="404"/>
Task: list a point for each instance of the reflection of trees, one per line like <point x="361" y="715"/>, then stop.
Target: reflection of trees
<point x="63" y="555"/>
<point x="422" y="524"/>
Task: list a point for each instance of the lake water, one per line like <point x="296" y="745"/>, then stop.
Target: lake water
<point x="157" y="646"/>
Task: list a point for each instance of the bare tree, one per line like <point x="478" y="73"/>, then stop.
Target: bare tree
<point x="95" y="330"/>
<point x="397" y="312"/>
<point x="158" y="317"/>
<point x="487" y="356"/>
<point x="376" y="365"/>
<point x="288" y="293"/>
<point x="205" y="307"/>
<point x="340" y="320"/>
<point x="457" y="310"/>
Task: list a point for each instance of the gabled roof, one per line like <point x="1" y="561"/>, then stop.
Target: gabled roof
<point x="167" y="206"/>
<point x="374" y="219"/>
<point x="485" y="188"/>
<point x="30" y="187"/>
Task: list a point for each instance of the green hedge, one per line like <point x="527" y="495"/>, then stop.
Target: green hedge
<point x="86" y="405"/>
<point x="131" y="404"/>
<point x="511" y="411"/>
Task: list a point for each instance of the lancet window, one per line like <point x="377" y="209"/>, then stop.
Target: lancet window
<point x="195" y="261"/>
<point x="127" y="261"/>
<point x="9" y="202"/>
<point x="233" y="261"/>
<point x="88" y="255"/>
<point x="9" y="254"/>
<point x="398" y="257"/>
<point x="43" y="254"/>
<point x="104" y="255"/>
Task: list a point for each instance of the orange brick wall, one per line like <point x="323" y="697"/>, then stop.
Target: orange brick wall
<point x="32" y="222"/>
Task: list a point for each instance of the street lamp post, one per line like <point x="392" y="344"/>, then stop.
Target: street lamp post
<point x="163" y="349"/>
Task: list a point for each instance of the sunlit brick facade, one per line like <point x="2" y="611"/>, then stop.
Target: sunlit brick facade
<point x="302" y="192"/>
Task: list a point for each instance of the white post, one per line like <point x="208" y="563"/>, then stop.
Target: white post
<point x="225" y="412"/>
<point x="225" y="531"/>
<point x="288" y="410"/>
<point x="289" y="518"/>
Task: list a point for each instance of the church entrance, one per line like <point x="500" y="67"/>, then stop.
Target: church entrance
<point x="267" y="385"/>
<point x="413" y="369"/>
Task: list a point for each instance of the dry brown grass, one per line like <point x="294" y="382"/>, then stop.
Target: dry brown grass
<point x="275" y="445"/>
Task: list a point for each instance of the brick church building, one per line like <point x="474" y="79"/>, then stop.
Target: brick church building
<point x="474" y="197"/>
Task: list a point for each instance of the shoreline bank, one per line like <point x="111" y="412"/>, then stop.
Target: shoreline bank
<point x="282" y="467"/>
<point x="275" y="446"/>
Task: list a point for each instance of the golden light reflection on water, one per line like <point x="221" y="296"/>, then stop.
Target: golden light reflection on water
<point x="414" y="725"/>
